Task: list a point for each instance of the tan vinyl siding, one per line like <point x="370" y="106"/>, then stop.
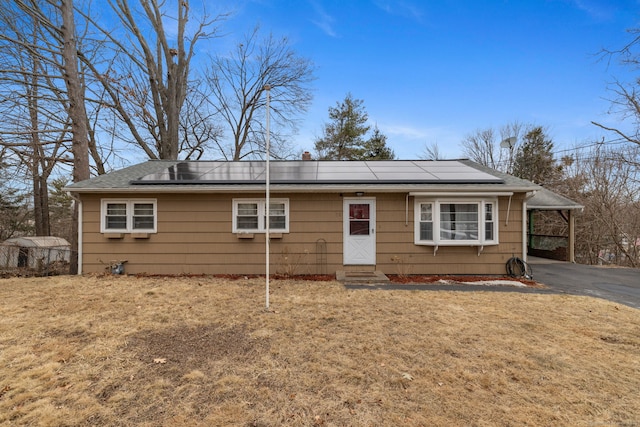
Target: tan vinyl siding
<point x="397" y="253"/>
<point x="195" y="237"/>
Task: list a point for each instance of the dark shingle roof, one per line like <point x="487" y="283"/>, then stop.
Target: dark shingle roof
<point x="396" y="175"/>
<point x="121" y="178"/>
<point x="548" y="200"/>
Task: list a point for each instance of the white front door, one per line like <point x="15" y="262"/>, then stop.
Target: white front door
<point x="359" y="231"/>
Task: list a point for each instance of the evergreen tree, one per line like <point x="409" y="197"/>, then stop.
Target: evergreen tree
<point x="375" y="148"/>
<point x="534" y="160"/>
<point x="60" y="209"/>
<point x="343" y="137"/>
<point x="15" y="217"/>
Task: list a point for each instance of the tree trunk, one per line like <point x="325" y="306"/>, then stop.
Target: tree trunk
<point x="41" y="206"/>
<point x="38" y="176"/>
<point x="77" y="112"/>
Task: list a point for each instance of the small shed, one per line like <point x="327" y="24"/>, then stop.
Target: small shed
<point x="34" y="252"/>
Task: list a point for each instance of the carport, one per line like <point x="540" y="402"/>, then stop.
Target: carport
<point x="552" y="246"/>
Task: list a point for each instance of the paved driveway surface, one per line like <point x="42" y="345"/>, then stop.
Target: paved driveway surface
<point x="621" y="285"/>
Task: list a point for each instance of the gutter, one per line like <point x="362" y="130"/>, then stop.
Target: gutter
<point x="462" y="193"/>
<point x="557" y="208"/>
<point x="413" y="189"/>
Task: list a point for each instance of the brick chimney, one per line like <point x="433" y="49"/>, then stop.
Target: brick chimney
<point x="306" y="155"/>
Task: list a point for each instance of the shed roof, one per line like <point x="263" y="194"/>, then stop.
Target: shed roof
<point x="37" y="241"/>
<point x="545" y="199"/>
<point x="303" y="175"/>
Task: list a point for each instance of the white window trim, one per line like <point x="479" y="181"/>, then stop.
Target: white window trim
<point x="129" y="212"/>
<point x="261" y="214"/>
<point x="436" y="202"/>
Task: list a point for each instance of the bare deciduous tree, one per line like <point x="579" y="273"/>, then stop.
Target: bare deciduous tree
<point x="485" y="146"/>
<point x="50" y="37"/>
<point x="432" y="152"/>
<point x="626" y="95"/>
<point x="200" y="134"/>
<point x="76" y="111"/>
<point x="75" y="93"/>
<point x="605" y="182"/>
<point x="237" y="82"/>
<point x="481" y="147"/>
<point x="147" y="83"/>
<point x="36" y="123"/>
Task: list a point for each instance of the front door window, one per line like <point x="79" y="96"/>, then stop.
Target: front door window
<point x="359" y="217"/>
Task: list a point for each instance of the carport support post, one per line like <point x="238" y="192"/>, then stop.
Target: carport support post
<point x="531" y="230"/>
<point x="571" y="255"/>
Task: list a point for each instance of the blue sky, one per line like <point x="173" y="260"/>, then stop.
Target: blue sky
<point x="435" y="71"/>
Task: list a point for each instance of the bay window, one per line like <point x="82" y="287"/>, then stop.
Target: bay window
<point x="456" y="222"/>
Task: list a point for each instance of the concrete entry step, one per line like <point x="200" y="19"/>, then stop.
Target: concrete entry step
<point x="361" y="277"/>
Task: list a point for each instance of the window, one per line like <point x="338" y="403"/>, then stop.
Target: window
<point x="144" y="216"/>
<point x="489" y="223"/>
<point x="359" y="219"/>
<point x="128" y="216"/>
<point x="456" y="222"/>
<point x="247" y="216"/>
<point x="426" y="221"/>
<point x="250" y="215"/>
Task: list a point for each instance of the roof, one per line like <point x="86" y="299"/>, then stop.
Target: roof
<point x="303" y="175"/>
<point x="548" y="200"/>
<point x="37" y="241"/>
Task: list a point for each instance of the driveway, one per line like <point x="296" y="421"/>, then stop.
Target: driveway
<point x="621" y="285"/>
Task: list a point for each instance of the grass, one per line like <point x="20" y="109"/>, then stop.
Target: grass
<point x="203" y="352"/>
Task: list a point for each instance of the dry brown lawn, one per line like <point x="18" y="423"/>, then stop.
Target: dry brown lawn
<point x="203" y="352"/>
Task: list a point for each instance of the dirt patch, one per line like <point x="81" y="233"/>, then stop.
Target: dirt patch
<point x="179" y="366"/>
<point x="181" y="349"/>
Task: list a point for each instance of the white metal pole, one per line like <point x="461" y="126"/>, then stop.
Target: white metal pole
<point x="267" y="88"/>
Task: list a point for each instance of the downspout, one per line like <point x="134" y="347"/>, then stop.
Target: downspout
<point x="406" y="211"/>
<point x="79" y="236"/>
<point x="527" y="196"/>
<point x="532" y="228"/>
<point x="524" y="229"/>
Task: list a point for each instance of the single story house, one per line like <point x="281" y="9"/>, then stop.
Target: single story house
<point x="209" y="217"/>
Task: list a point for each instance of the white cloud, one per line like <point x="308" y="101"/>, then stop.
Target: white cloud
<point x="323" y="20"/>
<point x="405" y="131"/>
<point x="400" y="8"/>
<point x="594" y="9"/>
<point x="409" y="142"/>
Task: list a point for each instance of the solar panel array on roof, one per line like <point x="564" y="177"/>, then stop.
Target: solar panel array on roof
<point x="319" y="172"/>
